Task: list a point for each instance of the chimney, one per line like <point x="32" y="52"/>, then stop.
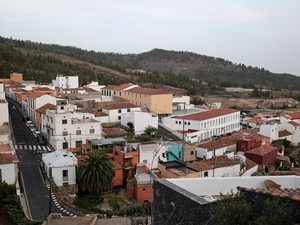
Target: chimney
<point x="87" y="141"/>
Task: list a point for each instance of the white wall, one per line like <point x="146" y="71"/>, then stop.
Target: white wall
<point x="151" y="153"/>
<point x="140" y="120"/>
<point x="269" y="130"/>
<point x="4" y="118"/>
<point x="9" y="172"/>
<point x="57" y="175"/>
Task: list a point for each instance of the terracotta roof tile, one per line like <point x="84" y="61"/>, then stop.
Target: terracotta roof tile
<point x="6" y="158"/>
<point x="223" y="142"/>
<point x="262" y="150"/>
<point x="148" y="91"/>
<point x="215" y="162"/>
<point x="284" y="133"/>
<point x="294" y="116"/>
<point x="250" y="164"/>
<point x="113" y="131"/>
<point x="122" y="87"/>
<point x="255" y="120"/>
<point x="43" y="109"/>
<point x="290" y="193"/>
<point x="95" y="112"/>
<point x="212" y="113"/>
<point x="35" y="94"/>
<point x="5" y="148"/>
<point x="109" y="87"/>
<point x="293" y="123"/>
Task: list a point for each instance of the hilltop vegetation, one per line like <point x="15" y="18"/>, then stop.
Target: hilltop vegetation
<point x="198" y="74"/>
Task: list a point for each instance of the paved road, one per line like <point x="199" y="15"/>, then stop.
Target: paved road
<point x="35" y="190"/>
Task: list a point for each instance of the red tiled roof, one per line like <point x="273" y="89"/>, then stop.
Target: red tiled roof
<point x="6" y="158"/>
<point x="95" y="112"/>
<point x="262" y="150"/>
<point x="43" y="109"/>
<point x="148" y="91"/>
<point x="122" y="87"/>
<point x="248" y="133"/>
<point x="284" y="133"/>
<point x="87" y="89"/>
<point x="121" y="105"/>
<point x="113" y="131"/>
<point x="250" y="164"/>
<point x="255" y="120"/>
<point x="5" y="148"/>
<point x="213" y="163"/>
<point x="223" y="142"/>
<point x="109" y="87"/>
<point x="43" y="89"/>
<point x="119" y="99"/>
<point x="35" y="94"/>
<point x="289" y="193"/>
<point x="293" y="123"/>
<point x="294" y="116"/>
<point x="208" y="114"/>
<point x="176" y="171"/>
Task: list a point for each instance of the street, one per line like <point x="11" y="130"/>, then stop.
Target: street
<point x="31" y="179"/>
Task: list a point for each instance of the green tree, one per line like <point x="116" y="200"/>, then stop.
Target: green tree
<point x="116" y="201"/>
<point x="95" y="173"/>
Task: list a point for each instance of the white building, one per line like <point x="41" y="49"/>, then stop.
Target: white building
<point x="151" y="153"/>
<point x="62" y="81"/>
<point x="3" y="106"/>
<point x="65" y="128"/>
<point x="95" y="85"/>
<point x="269" y="130"/>
<point x="115" y="110"/>
<point x="181" y="103"/>
<point x="36" y="100"/>
<point x="291" y="123"/>
<point x="8" y="168"/>
<point x="140" y="120"/>
<point x="61" y="167"/>
<point x="201" y="126"/>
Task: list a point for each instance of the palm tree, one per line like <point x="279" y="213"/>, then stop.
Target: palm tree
<point x="95" y="173"/>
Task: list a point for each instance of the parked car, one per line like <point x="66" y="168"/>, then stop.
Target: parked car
<point x="28" y="123"/>
<point x="36" y="133"/>
<point x="32" y="128"/>
<point x="25" y="118"/>
<point x="41" y="140"/>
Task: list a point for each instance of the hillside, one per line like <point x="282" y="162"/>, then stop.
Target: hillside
<point x="198" y="74"/>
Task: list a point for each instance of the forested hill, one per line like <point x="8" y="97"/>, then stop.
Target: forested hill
<point x="179" y="69"/>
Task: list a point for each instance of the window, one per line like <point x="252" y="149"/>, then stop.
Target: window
<point x="64" y="121"/>
<point x="189" y="123"/>
<point x="78" y="132"/>
<point x="145" y="161"/>
<point x="65" y="175"/>
<point x="206" y="174"/>
<point x="128" y="110"/>
<point x="92" y="131"/>
<point x="78" y="143"/>
<point x="119" y="117"/>
<point x="179" y="155"/>
<point x="65" y="145"/>
<point x="65" y="133"/>
<point x="192" y="152"/>
<point x="176" y="122"/>
<point x="116" y="153"/>
<point x="119" y="110"/>
<point x="0" y="175"/>
<point x="144" y="189"/>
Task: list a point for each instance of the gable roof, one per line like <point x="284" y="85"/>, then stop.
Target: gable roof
<point x="123" y="87"/>
<point x="43" y="109"/>
<point x="217" y="144"/>
<point x="148" y="91"/>
<point x="209" y="114"/>
<point x="120" y="105"/>
<point x="35" y="94"/>
<point x="109" y="87"/>
<point x="262" y="150"/>
<point x="95" y="112"/>
<point x="6" y="158"/>
<point x="213" y="163"/>
<point x="293" y="116"/>
<point x="293" y="123"/>
<point x="284" y="133"/>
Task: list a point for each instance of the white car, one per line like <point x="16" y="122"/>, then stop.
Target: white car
<point x="28" y="123"/>
<point x="36" y="133"/>
<point x="31" y="128"/>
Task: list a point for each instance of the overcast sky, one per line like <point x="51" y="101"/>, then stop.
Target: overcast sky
<point x="262" y="33"/>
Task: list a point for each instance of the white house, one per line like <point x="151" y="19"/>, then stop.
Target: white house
<point x="151" y="153"/>
<point x="3" y="106"/>
<point x="8" y="167"/>
<point x="61" y="167"/>
<point x="201" y="126"/>
<point x="65" y="128"/>
<point x="269" y="130"/>
<point x="62" y="81"/>
<point x="115" y="110"/>
<point x="36" y="100"/>
<point x="219" y="166"/>
<point x="140" y="120"/>
<point x="291" y="123"/>
<point x="181" y="103"/>
<point x="95" y="85"/>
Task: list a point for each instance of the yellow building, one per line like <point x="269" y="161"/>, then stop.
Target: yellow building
<point x="158" y="101"/>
